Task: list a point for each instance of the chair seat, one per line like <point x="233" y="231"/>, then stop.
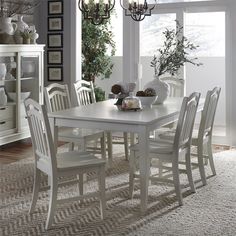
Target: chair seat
<point x="169" y="135"/>
<point x="157" y="146"/>
<point x="75" y="159"/>
<point x="65" y="134"/>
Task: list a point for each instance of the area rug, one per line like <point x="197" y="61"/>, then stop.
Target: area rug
<point x="210" y="211"/>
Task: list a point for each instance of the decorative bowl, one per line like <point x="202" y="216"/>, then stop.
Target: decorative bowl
<point x="23" y="95"/>
<point x="147" y="101"/>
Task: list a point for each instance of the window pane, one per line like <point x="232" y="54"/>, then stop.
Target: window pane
<point x="117" y="29"/>
<point x="208" y="31"/>
<point x="151" y="29"/>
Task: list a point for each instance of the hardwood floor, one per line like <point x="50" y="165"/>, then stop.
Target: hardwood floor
<point x="15" y="151"/>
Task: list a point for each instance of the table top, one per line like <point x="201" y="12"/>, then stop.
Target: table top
<point x="106" y="111"/>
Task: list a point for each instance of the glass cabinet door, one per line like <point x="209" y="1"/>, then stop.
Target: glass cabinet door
<point x="29" y="83"/>
<point x="8" y="122"/>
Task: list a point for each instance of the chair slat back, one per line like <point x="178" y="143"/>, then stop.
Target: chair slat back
<point x="176" y="86"/>
<point x="208" y="113"/>
<point x="84" y="92"/>
<point x="186" y="120"/>
<point x="57" y="97"/>
<point x="40" y="133"/>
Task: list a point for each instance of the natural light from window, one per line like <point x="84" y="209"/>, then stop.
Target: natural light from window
<point x="151" y="37"/>
<point x="208" y="31"/>
<point x="117" y="29"/>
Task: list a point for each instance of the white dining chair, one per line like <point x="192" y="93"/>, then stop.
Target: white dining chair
<point x="202" y="138"/>
<point x="176" y="86"/>
<point x="57" y="98"/>
<point x="84" y="92"/>
<point x="58" y="166"/>
<point x="171" y="151"/>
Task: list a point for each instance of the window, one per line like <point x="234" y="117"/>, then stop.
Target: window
<point x="208" y="31"/>
<point x="151" y="29"/>
<point x="117" y="29"/>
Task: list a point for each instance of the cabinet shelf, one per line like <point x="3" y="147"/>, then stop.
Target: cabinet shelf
<point x="27" y="78"/>
<point x="2" y="82"/>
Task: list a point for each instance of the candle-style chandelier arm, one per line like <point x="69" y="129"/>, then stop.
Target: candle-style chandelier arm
<point x="137" y="10"/>
<point x="96" y="11"/>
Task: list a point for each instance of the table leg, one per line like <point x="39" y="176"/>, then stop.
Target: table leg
<point x="109" y="148"/>
<point x="144" y="163"/>
<point x="54" y="131"/>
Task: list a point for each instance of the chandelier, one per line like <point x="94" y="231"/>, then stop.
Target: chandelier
<point x="95" y="10"/>
<point x="99" y="10"/>
<point x="137" y="9"/>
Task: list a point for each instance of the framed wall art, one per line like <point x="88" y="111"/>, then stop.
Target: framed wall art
<point x="55" y="40"/>
<point x="55" y="73"/>
<point x="55" y="7"/>
<point x="55" y="57"/>
<point x="55" y="23"/>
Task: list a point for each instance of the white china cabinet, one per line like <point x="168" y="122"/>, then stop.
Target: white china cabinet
<point x="24" y="78"/>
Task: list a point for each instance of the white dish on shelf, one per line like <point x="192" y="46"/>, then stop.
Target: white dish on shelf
<point x="23" y="95"/>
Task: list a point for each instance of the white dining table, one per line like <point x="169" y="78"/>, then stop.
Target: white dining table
<point x="105" y="116"/>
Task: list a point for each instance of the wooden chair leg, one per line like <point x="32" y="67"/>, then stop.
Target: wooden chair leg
<point x="175" y="171"/>
<point x="109" y="147"/>
<point x="102" y="184"/>
<point x="71" y="146"/>
<point x="52" y="203"/>
<point x="126" y="146"/>
<point x="83" y="148"/>
<point x="205" y="152"/>
<point x="201" y="163"/>
<point x="131" y="173"/>
<point x="103" y="146"/>
<point x="160" y="168"/>
<point x="189" y="171"/>
<point x="132" y="138"/>
<point x="210" y="156"/>
<point x="37" y="178"/>
<point x="82" y="145"/>
<point x="81" y="184"/>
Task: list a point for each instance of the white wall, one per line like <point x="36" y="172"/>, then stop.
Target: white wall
<point x="69" y="35"/>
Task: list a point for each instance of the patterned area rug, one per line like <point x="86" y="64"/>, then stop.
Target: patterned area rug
<point x="210" y="211"/>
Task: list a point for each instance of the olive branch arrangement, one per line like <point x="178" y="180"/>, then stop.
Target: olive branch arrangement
<point x="174" y="52"/>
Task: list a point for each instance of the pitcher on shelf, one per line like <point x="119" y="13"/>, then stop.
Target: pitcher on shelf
<point x="6" y="26"/>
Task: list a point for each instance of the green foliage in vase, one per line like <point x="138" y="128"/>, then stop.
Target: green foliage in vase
<point x="99" y="94"/>
<point x="97" y="42"/>
<point x="27" y="34"/>
<point x="174" y="52"/>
